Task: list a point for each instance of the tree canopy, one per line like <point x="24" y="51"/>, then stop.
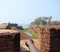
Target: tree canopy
<point x="43" y="21"/>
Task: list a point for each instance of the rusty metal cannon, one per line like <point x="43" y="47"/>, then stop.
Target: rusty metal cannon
<point x="31" y="46"/>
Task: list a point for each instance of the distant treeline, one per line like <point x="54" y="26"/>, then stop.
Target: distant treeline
<point x="14" y="26"/>
<point x="45" y="21"/>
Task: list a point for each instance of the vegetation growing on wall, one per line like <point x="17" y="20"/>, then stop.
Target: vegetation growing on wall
<point x="34" y="35"/>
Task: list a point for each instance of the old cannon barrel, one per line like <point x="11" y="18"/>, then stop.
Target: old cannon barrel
<point x="31" y="46"/>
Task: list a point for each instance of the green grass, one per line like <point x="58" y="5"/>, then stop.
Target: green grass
<point x="34" y="35"/>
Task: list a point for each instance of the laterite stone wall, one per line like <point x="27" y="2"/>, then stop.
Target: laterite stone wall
<point x="49" y="38"/>
<point x="9" y="41"/>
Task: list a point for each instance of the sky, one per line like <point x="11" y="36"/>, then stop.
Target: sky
<point x="25" y="11"/>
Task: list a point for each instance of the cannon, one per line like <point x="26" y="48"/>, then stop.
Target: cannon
<point x="31" y="46"/>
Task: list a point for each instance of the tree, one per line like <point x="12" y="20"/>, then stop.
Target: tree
<point x="55" y="23"/>
<point x="39" y="21"/>
<point x="43" y="21"/>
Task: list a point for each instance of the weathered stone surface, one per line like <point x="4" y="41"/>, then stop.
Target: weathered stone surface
<point x="9" y="41"/>
<point x="49" y="38"/>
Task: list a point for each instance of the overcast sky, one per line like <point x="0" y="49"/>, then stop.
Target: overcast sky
<point x="25" y="11"/>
